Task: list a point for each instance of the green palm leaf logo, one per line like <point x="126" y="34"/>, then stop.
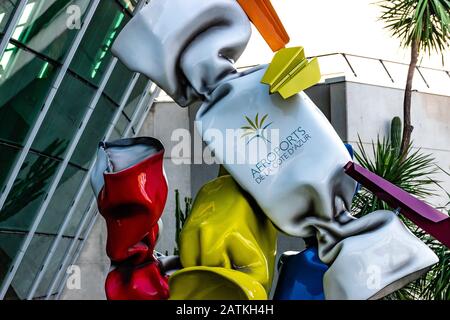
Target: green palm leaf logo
<point x="256" y="128"/>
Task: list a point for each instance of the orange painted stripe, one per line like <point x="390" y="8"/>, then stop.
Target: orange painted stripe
<point x="263" y="15"/>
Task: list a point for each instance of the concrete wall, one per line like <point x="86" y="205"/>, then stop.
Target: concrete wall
<point x="163" y="119"/>
<point x="370" y="109"/>
<point x="352" y="108"/>
<point x="94" y="266"/>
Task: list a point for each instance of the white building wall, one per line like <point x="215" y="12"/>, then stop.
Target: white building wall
<point x="370" y="109"/>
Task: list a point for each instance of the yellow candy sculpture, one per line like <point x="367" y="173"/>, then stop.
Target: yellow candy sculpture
<point x="227" y="249"/>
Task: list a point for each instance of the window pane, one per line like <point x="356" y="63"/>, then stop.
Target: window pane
<point x="89" y="221"/>
<point x="94" y="54"/>
<point x="53" y="268"/>
<point x="32" y="261"/>
<point x="122" y="125"/>
<point x="49" y="26"/>
<point x="135" y="96"/>
<point x="24" y="83"/>
<point x="64" y="117"/>
<point x="9" y="246"/>
<point x="94" y="132"/>
<point x="61" y="201"/>
<point x="8" y="156"/>
<point x="114" y="136"/>
<point x="118" y="82"/>
<point x="80" y="211"/>
<point x="28" y="192"/>
<point x="6" y="11"/>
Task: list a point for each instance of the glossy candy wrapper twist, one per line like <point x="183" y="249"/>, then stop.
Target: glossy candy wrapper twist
<point x="131" y="189"/>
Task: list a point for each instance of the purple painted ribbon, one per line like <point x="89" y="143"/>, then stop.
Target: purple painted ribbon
<point x="424" y="216"/>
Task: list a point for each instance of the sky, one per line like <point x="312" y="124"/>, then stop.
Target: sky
<point x="326" y="26"/>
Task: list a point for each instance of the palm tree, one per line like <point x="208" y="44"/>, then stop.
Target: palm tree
<point x="423" y="26"/>
<point x="414" y="174"/>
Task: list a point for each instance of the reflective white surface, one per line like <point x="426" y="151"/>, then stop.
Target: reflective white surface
<point x="299" y="173"/>
<point x="185" y="47"/>
<point x="116" y="158"/>
<point x="376" y="251"/>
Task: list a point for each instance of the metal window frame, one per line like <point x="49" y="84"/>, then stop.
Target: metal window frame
<point x="69" y="253"/>
<point x="12" y="23"/>
<point x="85" y="183"/>
<point x="86" y="180"/>
<point x="139" y="109"/>
<point x="57" y="178"/>
<point x="110" y="130"/>
<point x="75" y="140"/>
<point x="71" y="258"/>
<point x="19" y="162"/>
<point x="152" y="101"/>
<point x="78" y="196"/>
<point x="75" y="256"/>
<point x="49" y="100"/>
<point x="55" y="183"/>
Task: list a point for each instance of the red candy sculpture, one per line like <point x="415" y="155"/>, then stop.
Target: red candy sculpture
<point x="131" y="193"/>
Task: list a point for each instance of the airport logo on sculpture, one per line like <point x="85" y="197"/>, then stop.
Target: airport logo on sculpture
<point x="285" y="149"/>
<point x="256" y="129"/>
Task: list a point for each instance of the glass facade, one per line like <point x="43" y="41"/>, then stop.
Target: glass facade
<point x="58" y="55"/>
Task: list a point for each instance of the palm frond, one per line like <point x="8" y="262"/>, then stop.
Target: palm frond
<point x="252" y="124"/>
<point x="263" y="119"/>
<point x="424" y="21"/>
